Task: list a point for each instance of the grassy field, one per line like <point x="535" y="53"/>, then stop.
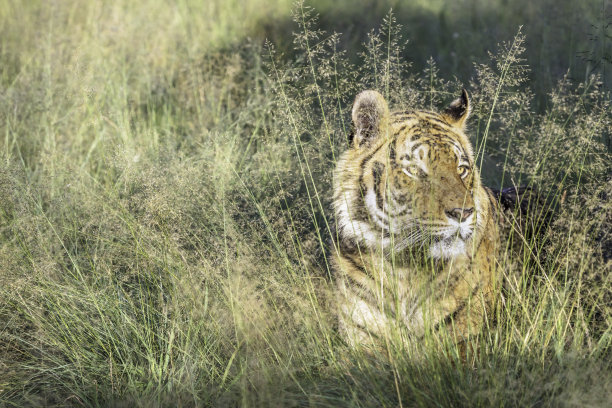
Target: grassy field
<point x="165" y="189"/>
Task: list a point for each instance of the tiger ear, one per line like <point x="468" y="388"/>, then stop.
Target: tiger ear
<point x="458" y="111"/>
<point x="370" y="114"/>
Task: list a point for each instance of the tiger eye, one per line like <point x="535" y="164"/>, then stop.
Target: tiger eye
<point x="463" y="171"/>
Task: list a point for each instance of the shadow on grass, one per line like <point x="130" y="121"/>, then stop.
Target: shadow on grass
<point x="561" y="35"/>
<point x="515" y="381"/>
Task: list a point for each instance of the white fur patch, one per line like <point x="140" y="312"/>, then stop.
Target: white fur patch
<point x="376" y="213"/>
<point x="360" y="231"/>
<point x="452" y="244"/>
<point x="448" y="248"/>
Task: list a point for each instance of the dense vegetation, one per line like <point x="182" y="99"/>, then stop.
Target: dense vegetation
<point x="165" y="187"/>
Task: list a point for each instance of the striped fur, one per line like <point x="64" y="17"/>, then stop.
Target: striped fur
<point x="416" y="233"/>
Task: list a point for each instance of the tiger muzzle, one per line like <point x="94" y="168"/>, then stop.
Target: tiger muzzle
<point x="459" y="214"/>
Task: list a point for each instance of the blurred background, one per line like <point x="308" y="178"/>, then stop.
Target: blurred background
<point x="562" y="35"/>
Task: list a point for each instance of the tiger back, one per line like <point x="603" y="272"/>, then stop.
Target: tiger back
<point x="416" y="234"/>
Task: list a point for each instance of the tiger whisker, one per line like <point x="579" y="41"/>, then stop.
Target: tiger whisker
<point x="412" y="238"/>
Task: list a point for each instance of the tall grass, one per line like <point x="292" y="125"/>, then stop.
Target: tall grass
<point x="165" y="216"/>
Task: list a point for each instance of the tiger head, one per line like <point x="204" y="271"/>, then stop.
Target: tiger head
<point x="408" y="181"/>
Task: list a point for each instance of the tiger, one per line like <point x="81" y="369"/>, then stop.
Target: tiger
<point x="416" y="236"/>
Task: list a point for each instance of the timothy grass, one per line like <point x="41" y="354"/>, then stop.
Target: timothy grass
<point x="165" y="220"/>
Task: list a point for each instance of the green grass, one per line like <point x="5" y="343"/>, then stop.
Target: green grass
<point x="165" y="190"/>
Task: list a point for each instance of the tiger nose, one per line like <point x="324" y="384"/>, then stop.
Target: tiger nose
<point x="459" y="214"/>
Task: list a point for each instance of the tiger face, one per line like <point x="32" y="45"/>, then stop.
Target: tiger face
<point x="417" y="186"/>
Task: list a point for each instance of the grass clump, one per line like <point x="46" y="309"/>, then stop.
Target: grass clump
<point x="165" y="219"/>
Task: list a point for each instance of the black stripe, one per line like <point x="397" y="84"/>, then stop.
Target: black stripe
<point x="351" y="136"/>
<point x="443" y="137"/>
<point x="478" y="246"/>
<point x="392" y="151"/>
<point x="404" y="115"/>
<point x="364" y="330"/>
<point x="377" y="172"/>
<point x="416" y="136"/>
<point x="403" y="128"/>
<point x="363" y="269"/>
<point x="364" y="215"/>
<point x="492" y="201"/>
<point x="436" y="127"/>
<point x="403" y="212"/>
<point x="399" y="197"/>
<point x="400" y="116"/>
<point x="446" y="286"/>
<point x="452" y="316"/>
<point x="438" y="120"/>
<point x="347" y="246"/>
<point x="360" y="291"/>
<point x="416" y="146"/>
<point x="356" y="265"/>
<point x="366" y="160"/>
